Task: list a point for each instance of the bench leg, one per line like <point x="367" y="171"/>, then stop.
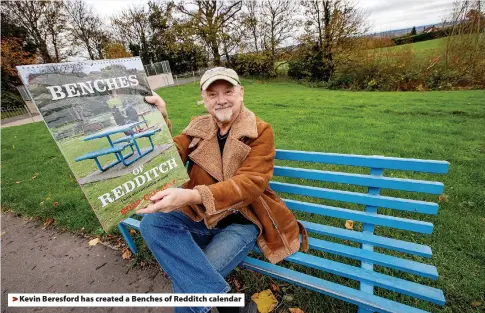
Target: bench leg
<point x="128" y="155"/>
<point x="127" y="236"/>
<point x="99" y="165"/>
<point x="128" y="162"/>
<point x="107" y="166"/>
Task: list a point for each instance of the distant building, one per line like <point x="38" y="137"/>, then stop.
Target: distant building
<point x="430" y="29"/>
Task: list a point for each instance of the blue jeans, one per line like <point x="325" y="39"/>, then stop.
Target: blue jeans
<point x="196" y="258"/>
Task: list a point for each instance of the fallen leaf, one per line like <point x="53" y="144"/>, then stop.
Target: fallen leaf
<point x="265" y="300"/>
<point x="349" y="224"/>
<point x="288" y="298"/>
<point x="295" y="310"/>
<point x="443" y="198"/>
<point x="132" y="231"/>
<point x="56" y="203"/>
<point x="41" y="203"/>
<point x="237" y="284"/>
<point x="275" y="288"/>
<point x="127" y="254"/>
<point x="34" y="177"/>
<point x="17" y="182"/>
<point x="476" y="304"/>
<point x="94" y="241"/>
<point x="47" y="222"/>
<point x="3" y="233"/>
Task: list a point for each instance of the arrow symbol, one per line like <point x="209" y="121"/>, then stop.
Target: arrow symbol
<point x="14" y="298"/>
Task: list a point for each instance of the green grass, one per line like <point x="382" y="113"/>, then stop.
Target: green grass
<point x="427" y="125"/>
<point x="423" y="46"/>
<point x="428" y="46"/>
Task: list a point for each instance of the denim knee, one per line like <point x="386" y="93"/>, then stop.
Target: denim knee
<point x="152" y="225"/>
<point x="147" y="224"/>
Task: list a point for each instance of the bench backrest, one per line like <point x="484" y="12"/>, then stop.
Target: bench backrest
<point x="361" y="204"/>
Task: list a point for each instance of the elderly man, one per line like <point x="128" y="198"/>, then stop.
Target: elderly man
<point x="202" y="231"/>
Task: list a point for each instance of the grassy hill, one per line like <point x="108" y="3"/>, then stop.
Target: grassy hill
<point x="420" y="47"/>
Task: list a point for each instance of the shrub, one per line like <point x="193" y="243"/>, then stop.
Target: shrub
<point x="310" y="65"/>
<point x="254" y="64"/>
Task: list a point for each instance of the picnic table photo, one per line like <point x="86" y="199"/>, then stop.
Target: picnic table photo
<point x="118" y="146"/>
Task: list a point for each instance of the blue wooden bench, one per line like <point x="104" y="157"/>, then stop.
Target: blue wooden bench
<point x="373" y="244"/>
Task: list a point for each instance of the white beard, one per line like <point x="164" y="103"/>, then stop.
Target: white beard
<point x="224" y="115"/>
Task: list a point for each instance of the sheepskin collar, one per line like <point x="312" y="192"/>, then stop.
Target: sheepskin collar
<point x="203" y="130"/>
<point x="205" y="126"/>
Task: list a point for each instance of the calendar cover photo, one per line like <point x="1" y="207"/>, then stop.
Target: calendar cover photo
<point x="118" y="146"/>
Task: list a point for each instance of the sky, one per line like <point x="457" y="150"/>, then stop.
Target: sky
<point x="382" y="15"/>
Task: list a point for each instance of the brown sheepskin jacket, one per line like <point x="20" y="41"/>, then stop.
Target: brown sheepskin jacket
<point x="238" y="182"/>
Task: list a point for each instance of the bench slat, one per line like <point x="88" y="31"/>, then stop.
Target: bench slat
<point x="383" y="242"/>
<point x="377" y="279"/>
<point x="361" y="180"/>
<point x="364" y="217"/>
<point x="137" y="135"/>
<point x="100" y="152"/>
<point x="133" y="223"/>
<point x="379" y="241"/>
<point x="404" y="265"/>
<point x="428" y="166"/>
<point x="359" y="198"/>
<point x="354" y="296"/>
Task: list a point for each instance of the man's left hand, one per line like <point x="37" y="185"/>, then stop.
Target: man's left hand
<point x="171" y="199"/>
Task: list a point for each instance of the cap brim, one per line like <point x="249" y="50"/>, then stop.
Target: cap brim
<point x="218" y="77"/>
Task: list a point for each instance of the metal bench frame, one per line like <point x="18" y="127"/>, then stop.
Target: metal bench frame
<point x="127" y="141"/>
<point x="364" y="297"/>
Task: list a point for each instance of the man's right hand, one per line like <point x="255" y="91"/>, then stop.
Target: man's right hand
<point x="158" y="101"/>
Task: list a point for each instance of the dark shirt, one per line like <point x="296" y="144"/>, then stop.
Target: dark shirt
<point x="236" y="217"/>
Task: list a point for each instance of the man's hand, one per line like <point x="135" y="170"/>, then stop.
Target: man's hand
<point x="158" y="101"/>
<point x="171" y="199"/>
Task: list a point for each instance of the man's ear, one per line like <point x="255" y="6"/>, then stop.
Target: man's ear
<point x="242" y="91"/>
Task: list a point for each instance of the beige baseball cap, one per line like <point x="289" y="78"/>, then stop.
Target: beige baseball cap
<point x="217" y="73"/>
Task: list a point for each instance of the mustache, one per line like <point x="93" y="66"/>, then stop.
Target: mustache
<point x="220" y="107"/>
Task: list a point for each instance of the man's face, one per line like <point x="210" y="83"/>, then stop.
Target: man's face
<point x="223" y="100"/>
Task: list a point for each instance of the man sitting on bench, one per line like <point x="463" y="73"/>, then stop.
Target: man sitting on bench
<point x="202" y="231"/>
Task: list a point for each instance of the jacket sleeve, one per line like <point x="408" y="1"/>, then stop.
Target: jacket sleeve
<point x="181" y="142"/>
<point x="249" y="181"/>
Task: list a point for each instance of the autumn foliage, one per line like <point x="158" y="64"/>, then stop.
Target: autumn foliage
<point x="115" y="51"/>
<point x="12" y="55"/>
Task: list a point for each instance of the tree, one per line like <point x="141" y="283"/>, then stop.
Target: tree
<point x="251" y="24"/>
<point x="278" y="24"/>
<point x="86" y="28"/>
<point x="115" y="50"/>
<point x="132" y="25"/>
<point x="55" y="25"/>
<point x="413" y="31"/>
<point x="174" y="39"/>
<point x="10" y="29"/>
<point x="13" y="55"/>
<point x="330" y="27"/>
<point x="210" y="19"/>
<point x="30" y="15"/>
